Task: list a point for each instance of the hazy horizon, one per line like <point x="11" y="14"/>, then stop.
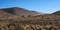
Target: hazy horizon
<point x="45" y="6"/>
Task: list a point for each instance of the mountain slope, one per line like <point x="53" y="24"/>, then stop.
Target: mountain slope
<point x="57" y="13"/>
<point x="4" y="14"/>
<point x="15" y="11"/>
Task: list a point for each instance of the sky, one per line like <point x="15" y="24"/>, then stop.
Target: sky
<point x="44" y="6"/>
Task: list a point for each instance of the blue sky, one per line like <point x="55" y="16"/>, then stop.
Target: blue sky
<point x="45" y="6"/>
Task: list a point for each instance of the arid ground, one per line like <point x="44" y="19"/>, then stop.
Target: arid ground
<point x="21" y="19"/>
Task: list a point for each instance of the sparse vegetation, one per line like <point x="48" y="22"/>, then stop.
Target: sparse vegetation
<point x="24" y="22"/>
<point x="40" y="22"/>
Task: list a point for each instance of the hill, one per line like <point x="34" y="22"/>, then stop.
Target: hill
<point x="56" y="13"/>
<point x="16" y="11"/>
<point x="14" y="19"/>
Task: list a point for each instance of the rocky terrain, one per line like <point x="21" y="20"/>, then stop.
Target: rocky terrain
<point x="22" y="19"/>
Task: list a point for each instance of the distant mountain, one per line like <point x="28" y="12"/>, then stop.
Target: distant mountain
<point x="16" y="11"/>
<point x="57" y="13"/>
